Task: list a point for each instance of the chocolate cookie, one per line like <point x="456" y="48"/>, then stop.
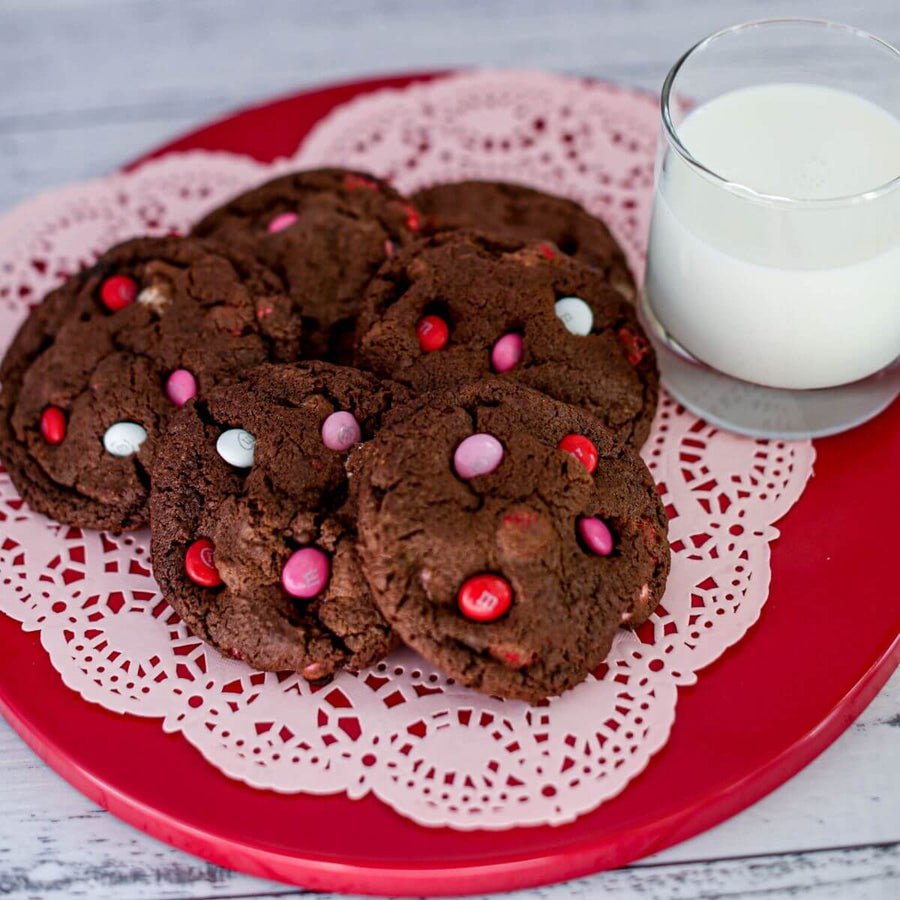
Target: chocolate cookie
<point x="101" y="364"/>
<point x="463" y="305"/>
<point x="253" y="519"/>
<point x="506" y="536"/>
<point x="325" y="232"/>
<point x="514" y="211"/>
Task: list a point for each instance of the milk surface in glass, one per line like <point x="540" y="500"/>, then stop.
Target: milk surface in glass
<point x="799" y="288"/>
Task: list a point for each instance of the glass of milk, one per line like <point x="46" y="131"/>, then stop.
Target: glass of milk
<point x="772" y="286"/>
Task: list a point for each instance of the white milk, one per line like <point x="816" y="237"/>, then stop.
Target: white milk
<point x="789" y="295"/>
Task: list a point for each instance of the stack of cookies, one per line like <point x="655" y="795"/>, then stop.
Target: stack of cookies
<point x="353" y="419"/>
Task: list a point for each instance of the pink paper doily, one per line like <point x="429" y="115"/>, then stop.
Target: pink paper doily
<point x="433" y="751"/>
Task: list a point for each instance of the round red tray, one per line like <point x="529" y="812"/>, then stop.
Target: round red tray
<point x="757" y="715"/>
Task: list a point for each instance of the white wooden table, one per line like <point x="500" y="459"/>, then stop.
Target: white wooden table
<point x="87" y="84"/>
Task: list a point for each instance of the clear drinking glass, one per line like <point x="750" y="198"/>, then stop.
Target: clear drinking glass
<point x="772" y="288"/>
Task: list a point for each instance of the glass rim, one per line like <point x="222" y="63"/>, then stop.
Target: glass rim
<point x="674" y="140"/>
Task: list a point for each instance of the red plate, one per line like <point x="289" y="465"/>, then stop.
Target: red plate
<point x="832" y="570"/>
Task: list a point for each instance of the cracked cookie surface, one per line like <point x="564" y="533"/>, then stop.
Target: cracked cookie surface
<point x="100" y="365"/>
<point x="438" y="527"/>
<point x="478" y="290"/>
<point x="292" y="495"/>
<point x="519" y="212"/>
<point x="326" y="232"/>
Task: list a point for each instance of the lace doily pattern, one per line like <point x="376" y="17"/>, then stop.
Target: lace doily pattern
<point x="435" y="752"/>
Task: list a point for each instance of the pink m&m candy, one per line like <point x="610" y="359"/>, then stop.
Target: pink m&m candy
<point x="507" y="352"/>
<point x="341" y="431"/>
<point x="478" y="454"/>
<point x="282" y="221"/>
<point x="306" y="573"/>
<point x="314" y="671"/>
<point x="181" y="386"/>
<point x="596" y="535"/>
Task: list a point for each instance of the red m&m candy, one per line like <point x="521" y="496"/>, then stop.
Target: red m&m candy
<point x="636" y="345"/>
<point x="581" y="448"/>
<point x="200" y="565"/>
<point x="353" y="181"/>
<point x="433" y="333"/>
<point x="413" y="223"/>
<point x="484" y="598"/>
<point x="118" y="292"/>
<point x="53" y="425"/>
<point x="513" y="656"/>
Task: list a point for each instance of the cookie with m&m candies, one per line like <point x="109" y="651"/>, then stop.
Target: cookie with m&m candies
<point x="461" y="305"/>
<point x="326" y="231"/>
<point x="523" y="213"/>
<point x="506" y="536"/>
<point x="253" y="518"/>
<point x="101" y="364"/>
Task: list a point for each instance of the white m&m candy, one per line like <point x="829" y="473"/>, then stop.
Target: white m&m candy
<point x="124" y="439"/>
<point x="575" y="314"/>
<point x="236" y="447"/>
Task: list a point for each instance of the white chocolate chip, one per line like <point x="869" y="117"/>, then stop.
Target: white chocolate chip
<point x="155" y="297"/>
